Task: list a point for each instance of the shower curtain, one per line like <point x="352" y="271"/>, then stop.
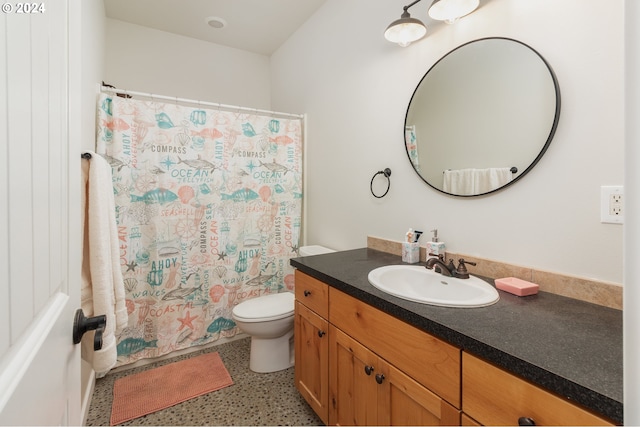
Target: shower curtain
<point x="208" y="206"/>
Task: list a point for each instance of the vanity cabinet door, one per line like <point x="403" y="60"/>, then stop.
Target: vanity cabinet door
<point x="495" y="397"/>
<point x="403" y="401"/>
<point x="312" y="359"/>
<point x="352" y="386"/>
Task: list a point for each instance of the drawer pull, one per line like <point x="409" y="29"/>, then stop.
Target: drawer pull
<point x="379" y="378"/>
<point x="526" y="421"/>
<point x="368" y="369"/>
<point x="321" y="333"/>
<point x="307" y="293"/>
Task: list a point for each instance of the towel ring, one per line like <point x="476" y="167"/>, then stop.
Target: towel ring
<point x="387" y="174"/>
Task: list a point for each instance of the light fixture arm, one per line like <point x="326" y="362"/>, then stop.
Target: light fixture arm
<point x="406" y="8"/>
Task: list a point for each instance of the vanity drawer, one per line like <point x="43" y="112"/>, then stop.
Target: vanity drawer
<point x="428" y="360"/>
<point x="493" y="396"/>
<point x="312" y="293"/>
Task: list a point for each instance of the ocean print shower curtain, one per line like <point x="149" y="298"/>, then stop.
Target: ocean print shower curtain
<point x="208" y="206"/>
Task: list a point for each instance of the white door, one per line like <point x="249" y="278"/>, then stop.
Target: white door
<point x="39" y="216"/>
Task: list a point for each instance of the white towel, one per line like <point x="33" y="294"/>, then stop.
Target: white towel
<point x="466" y="182"/>
<point x="102" y="285"/>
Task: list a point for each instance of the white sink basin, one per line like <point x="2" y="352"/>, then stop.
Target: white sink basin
<point x="416" y="283"/>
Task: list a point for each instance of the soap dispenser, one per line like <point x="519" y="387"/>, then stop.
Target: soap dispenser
<point x="434" y="247"/>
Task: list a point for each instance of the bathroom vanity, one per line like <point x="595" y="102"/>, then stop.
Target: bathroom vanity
<point x="366" y="357"/>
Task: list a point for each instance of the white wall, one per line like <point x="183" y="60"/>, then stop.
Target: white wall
<point x="147" y="60"/>
<point x="632" y="207"/>
<point x="355" y="87"/>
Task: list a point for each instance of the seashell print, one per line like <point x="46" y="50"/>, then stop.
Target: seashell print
<point x="115" y="124"/>
<point x="131" y="306"/>
<point x="164" y="121"/>
<point x="216" y="293"/>
<point x="264" y="192"/>
<point x="221" y="271"/>
<point x="248" y="130"/>
<point x="186" y="193"/>
<point x="279" y="189"/>
<point x="289" y="281"/>
<point x="182" y="139"/>
<point x="130" y="284"/>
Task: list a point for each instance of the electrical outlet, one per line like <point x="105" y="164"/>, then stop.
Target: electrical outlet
<point x="612" y="208"/>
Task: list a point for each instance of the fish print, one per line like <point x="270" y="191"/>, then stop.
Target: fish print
<point x="159" y="195"/>
<point x="134" y="345"/>
<point x="260" y="279"/>
<point x="208" y="133"/>
<point x="221" y="324"/>
<point x="115" y="124"/>
<point x="115" y="163"/>
<point x="242" y="195"/>
<point x="275" y="167"/>
<point x="198" y="163"/>
<point x="180" y="293"/>
<point x="282" y="140"/>
<point x="156" y="170"/>
<point x="248" y="130"/>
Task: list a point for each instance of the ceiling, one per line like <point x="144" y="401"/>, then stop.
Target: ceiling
<point x="258" y="26"/>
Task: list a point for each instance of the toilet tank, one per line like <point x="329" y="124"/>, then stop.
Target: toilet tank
<point x="314" y="250"/>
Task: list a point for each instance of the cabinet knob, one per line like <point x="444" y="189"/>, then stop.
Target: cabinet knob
<point x="368" y="369"/>
<point x="379" y="378"/>
<point x="307" y="293"/>
<point x="321" y="333"/>
<point x="526" y="421"/>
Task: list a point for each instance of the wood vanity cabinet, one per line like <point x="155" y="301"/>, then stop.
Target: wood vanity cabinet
<point x="356" y="365"/>
<point x="367" y="390"/>
<point x="311" y="329"/>
<point x="492" y="396"/>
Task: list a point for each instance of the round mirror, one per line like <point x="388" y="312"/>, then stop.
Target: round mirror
<point x="482" y="117"/>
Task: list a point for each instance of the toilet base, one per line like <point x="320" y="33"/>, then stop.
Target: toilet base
<point x="271" y="355"/>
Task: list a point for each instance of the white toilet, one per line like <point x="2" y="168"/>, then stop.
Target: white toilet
<point x="269" y="321"/>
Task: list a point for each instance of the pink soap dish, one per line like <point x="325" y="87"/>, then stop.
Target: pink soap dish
<point x="517" y="286"/>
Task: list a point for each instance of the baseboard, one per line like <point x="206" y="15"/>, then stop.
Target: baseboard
<point x="88" y="378"/>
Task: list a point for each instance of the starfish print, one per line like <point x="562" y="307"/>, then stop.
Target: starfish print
<point x="167" y="162"/>
<point x="250" y="166"/>
<point x="132" y="266"/>
<point x="186" y="321"/>
<point x="294" y="248"/>
<point x="222" y="255"/>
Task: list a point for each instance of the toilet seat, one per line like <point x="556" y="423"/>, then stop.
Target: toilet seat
<point x="265" y="308"/>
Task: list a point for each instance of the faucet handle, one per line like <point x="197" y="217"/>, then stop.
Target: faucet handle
<point x="461" y="271"/>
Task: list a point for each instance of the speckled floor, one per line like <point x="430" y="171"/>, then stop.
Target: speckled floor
<point x="254" y="399"/>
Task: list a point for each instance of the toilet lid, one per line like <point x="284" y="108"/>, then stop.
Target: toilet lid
<point x="266" y="307"/>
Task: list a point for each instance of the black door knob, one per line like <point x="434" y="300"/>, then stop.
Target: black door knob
<point x="526" y="421"/>
<point x="82" y="324"/>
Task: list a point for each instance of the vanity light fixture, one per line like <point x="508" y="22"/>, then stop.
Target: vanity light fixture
<point x="450" y="11"/>
<point x="405" y="30"/>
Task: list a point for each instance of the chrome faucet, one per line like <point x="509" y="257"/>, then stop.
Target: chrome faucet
<point x="439" y="266"/>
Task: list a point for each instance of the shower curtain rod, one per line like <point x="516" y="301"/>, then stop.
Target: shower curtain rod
<point x="192" y="101"/>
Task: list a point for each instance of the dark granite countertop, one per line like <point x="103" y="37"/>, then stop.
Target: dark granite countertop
<point x="567" y="346"/>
